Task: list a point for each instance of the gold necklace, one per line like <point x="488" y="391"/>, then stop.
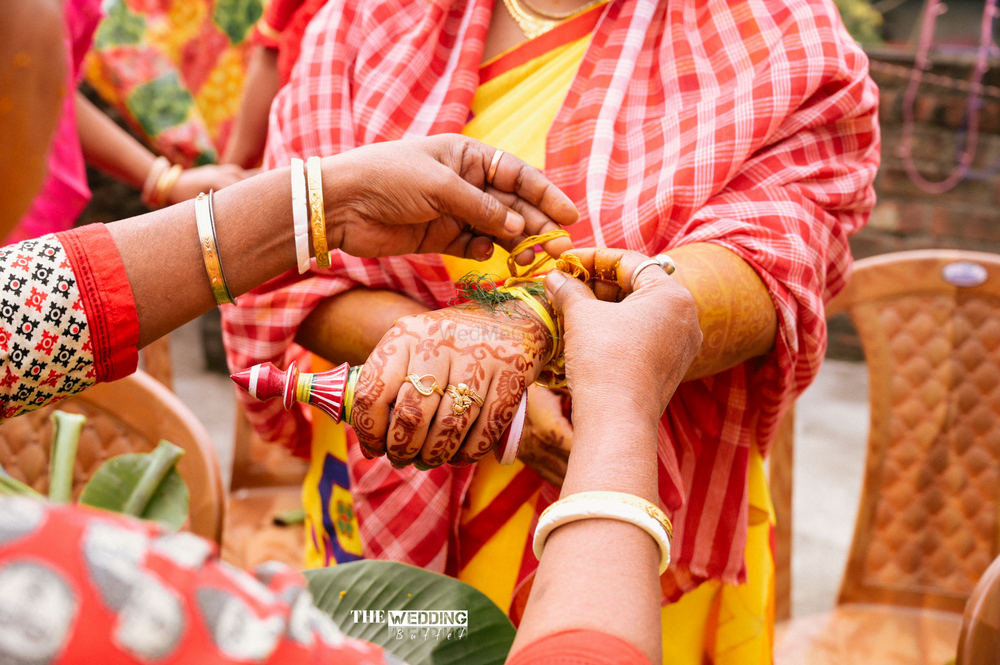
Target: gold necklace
<point x="562" y="16"/>
<point x="531" y="27"/>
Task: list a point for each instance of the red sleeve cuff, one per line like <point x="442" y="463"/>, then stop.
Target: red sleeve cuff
<point x="107" y="299"/>
<point x="580" y="647"/>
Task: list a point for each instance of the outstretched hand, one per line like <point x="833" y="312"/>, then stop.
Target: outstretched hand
<point x="432" y="195"/>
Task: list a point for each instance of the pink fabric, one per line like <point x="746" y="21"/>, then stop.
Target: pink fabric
<point x="65" y="193"/>
<point x="750" y="124"/>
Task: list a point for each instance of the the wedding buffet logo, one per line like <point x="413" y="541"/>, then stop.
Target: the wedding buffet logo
<point x="437" y="625"/>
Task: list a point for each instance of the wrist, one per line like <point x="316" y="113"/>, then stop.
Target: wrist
<point x="598" y="397"/>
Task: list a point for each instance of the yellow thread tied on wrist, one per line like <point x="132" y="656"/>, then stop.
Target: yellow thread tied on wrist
<point x="554" y="373"/>
<point x="521" y="294"/>
<point x="317" y="217"/>
<point x="568" y="264"/>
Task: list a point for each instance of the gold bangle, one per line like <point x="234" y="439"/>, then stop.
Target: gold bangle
<point x="165" y="184"/>
<point x="266" y="30"/>
<point x="160" y="166"/>
<point x="317" y="218"/>
<point x="209" y="250"/>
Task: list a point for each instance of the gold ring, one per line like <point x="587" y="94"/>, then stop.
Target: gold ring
<point x="426" y="391"/>
<point x="493" y="167"/>
<point x="464" y="396"/>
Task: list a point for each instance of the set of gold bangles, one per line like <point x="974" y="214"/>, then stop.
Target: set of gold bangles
<point x="462" y="395"/>
<point x="308" y="220"/>
<point x="160" y="182"/>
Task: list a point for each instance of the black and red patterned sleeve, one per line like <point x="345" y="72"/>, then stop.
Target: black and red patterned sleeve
<point x="67" y="318"/>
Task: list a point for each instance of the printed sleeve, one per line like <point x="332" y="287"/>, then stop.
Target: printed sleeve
<point x="67" y="318"/>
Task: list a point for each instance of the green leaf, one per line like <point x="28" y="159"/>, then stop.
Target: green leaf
<point x="160" y="104"/>
<point x="387" y="585"/>
<point x="236" y="17"/>
<point x="120" y="27"/>
<point x="62" y="457"/>
<point x="10" y="486"/>
<point x="115" y="483"/>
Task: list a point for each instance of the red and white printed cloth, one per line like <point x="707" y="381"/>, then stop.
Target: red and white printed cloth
<point x="751" y="124"/>
<point x="67" y="318"/>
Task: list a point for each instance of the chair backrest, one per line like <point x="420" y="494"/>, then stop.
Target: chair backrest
<point x="126" y="416"/>
<point x="927" y="526"/>
<point x="979" y="641"/>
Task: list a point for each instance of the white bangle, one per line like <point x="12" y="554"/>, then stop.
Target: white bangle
<point x="300" y="214"/>
<point x="607" y="505"/>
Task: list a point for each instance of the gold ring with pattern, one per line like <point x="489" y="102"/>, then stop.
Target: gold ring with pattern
<point x="426" y="391"/>
<point x="464" y="397"/>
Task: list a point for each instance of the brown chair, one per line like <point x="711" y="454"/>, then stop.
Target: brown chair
<point x="126" y="416"/>
<point x="979" y="642"/>
<point x="157" y="362"/>
<point x="927" y="525"/>
<point x="266" y="481"/>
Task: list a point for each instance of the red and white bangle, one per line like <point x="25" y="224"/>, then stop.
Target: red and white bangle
<point x="607" y="505"/>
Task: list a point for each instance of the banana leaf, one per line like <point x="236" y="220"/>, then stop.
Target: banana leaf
<point x="145" y="485"/>
<point x="347" y="589"/>
<point x="65" y="439"/>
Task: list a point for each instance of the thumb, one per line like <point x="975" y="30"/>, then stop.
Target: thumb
<point x="563" y="291"/>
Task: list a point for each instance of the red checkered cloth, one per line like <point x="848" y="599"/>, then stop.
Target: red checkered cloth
<point x="749" y="124"/>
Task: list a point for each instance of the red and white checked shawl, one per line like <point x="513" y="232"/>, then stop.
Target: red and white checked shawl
<point x="750" y="124"/>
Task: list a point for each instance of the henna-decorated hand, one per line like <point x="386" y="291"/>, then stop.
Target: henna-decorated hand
<point x="497" y="354"/>
<point x="548" y="433"/>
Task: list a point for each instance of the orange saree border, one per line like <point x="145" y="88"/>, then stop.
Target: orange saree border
<point x="570" y="31"/>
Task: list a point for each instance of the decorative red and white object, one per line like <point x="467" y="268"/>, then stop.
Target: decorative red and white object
<point x="328" y="391"/>
<point x="332" y="392"/>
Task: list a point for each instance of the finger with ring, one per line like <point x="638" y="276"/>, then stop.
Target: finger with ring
<point x="660" y="260"/>
<point x="456" y="414"/>
<point x="426" y="391"/>
<point x="493" y="167"/>
<point x="464" y="397"/>
<point x="413" y="412"/>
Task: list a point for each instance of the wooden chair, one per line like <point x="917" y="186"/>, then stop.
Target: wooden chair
<point x="979" y="642"/>
<point x="126" y="416"/>
<point x="927" y="525"/>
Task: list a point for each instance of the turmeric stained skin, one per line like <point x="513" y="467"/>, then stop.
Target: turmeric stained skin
<point x="737" y="316"/>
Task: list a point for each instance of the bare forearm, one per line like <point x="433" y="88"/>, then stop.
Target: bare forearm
<point x="735" y="311"/>
<point x="348" y="327"/>
<point x="250" y="133"/>
<point x="601" y="574"/>
<point x="108" y="147"/>
<point x="163" y="259"/>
